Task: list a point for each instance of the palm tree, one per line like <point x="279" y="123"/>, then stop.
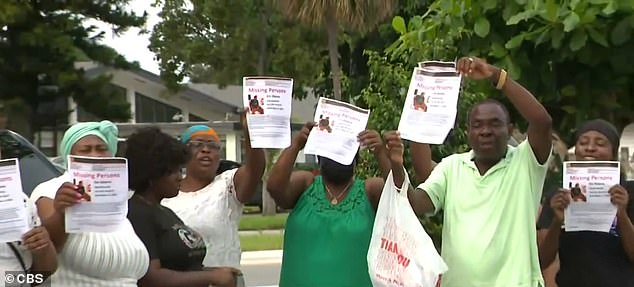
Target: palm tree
<point x="354" y="15"/>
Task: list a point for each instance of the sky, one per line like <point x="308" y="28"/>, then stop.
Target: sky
<point x="132" y="45"/>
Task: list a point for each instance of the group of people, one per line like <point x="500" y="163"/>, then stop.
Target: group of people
<point x="491" y="198"/>
<point x="182" y="227"/>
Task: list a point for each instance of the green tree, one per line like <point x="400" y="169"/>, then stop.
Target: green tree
<point x="356" y="16"/>
<point x="385" y="96"/>
<point x="40" y="41"/>
<point x="222" y="41"/>
<point x="575" y="56"/>
<point x="390" y="75"/>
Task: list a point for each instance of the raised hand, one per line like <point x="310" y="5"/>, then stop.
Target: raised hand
<point x="299" y="141"/>
<point x="394" y="147"/>
<point x="371" y="140"/>
<point x="475" y="68"/>
<point x="67" y="195"/>
<point x="619" y="197"/>
<point x="559" y="202"/>
<point x="243" y="118"/>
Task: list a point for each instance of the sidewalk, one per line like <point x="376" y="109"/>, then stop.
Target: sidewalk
<point x="264" y="257"/>
<point x="259" y="232"/>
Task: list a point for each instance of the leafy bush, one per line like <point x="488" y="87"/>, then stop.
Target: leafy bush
<point x="385" y="95"/>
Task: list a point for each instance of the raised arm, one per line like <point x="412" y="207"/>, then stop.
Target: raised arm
<point x="539" y="121"/>
<point x="421" y="160"/>
<point x="374" y="185"/>
<point x="419" y="199"/>
<point x="284" y="185"/>
<point x="250" y="174"/>
<point x="549" y="227"/>
<point x="620" y="197"/>
<point x="373" y="142"/>
<point x="52" y="211"/>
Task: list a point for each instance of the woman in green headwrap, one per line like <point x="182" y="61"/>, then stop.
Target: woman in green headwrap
<point x="88" y="259"/>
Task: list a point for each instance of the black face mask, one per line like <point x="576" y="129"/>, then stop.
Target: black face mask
<point x="334" y="172"/>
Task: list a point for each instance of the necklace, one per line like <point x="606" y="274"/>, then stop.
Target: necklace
<point x="335" y="199"/>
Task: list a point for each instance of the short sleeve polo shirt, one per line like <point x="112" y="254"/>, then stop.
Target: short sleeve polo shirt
<point x="489" y="235"/>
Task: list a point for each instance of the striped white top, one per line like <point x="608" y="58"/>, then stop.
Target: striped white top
<point x="97" y="259"/>
<point x="214" y="211"/>
<point x="8" y="259"/>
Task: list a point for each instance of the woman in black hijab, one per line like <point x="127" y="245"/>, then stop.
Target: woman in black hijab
<point x="587" y="258"/>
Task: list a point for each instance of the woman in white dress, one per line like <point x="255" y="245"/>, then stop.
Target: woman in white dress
<point x="35" y="254"/>
<point x="212" y="203"/>
<point x="88" y="259"/>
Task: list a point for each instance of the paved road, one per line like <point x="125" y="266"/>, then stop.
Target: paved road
<point x="261" y="268"/>
<point x="262" y="275"/>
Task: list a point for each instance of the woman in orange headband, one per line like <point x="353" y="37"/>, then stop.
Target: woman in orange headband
<point x="211" y="202"/>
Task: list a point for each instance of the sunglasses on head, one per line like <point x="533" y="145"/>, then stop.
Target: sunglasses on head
<point x="197" y="145"/>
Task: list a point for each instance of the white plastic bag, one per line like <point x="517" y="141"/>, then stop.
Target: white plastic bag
<point x="401" y="253"/>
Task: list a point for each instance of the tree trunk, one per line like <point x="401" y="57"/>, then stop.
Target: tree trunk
<point x="333" y="51"/>
<point x="263" y="40"/>
<point x="268" y="204"/>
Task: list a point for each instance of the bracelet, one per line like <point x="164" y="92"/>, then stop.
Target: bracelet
<point x="501" y="79"/>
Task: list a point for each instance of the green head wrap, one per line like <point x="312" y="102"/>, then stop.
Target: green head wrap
<point x="105" y="130"/>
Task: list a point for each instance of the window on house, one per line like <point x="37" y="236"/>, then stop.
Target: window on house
<point x="152" y="111"/>
<point x="195" y="118"/>
<point x="117" y="91"/>
<point x="51" y="114"/>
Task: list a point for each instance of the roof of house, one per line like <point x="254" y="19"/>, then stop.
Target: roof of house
<point x="302" y="110"/>
<point x="193" y="94"/>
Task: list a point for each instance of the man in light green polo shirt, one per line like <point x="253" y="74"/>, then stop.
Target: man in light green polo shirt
<point x="489" y="195"/>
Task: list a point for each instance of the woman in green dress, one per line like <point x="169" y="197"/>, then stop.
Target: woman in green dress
<point x="328" y="231"/>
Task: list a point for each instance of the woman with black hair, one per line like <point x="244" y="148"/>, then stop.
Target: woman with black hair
<point x="155" y="161"/>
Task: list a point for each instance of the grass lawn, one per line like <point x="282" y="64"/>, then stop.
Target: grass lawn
<point x="261" y="242"/>
<point x="251" y="209"/>
<point x="260" y="222"/>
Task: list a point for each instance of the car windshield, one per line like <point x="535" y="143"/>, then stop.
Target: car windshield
<point x="35" y="168"/>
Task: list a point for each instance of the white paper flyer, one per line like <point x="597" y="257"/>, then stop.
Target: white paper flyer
<point x="431" y="105"/>
<point x="590" y="208"/>
<point x="268" y="101"/>
<point x="338" y="125"/>
<point x="14" y="214"/>
<point x="104" y="184"/>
